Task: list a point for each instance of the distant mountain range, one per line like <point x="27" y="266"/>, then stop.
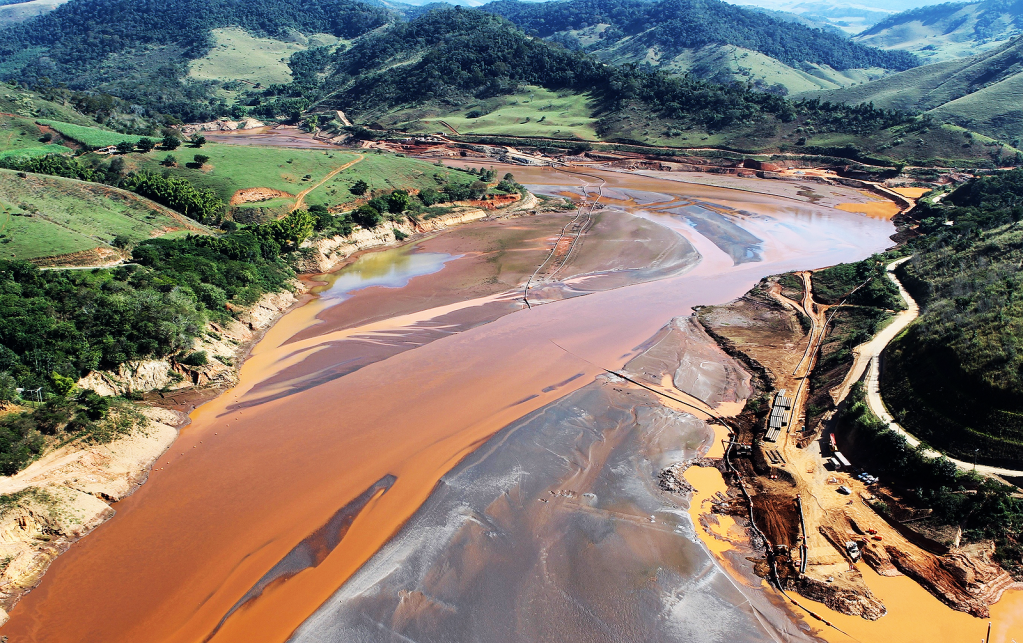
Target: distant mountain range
<point x="980" y="92"/>
<point x="707" y="38"/>
<point x="946" y="31"/>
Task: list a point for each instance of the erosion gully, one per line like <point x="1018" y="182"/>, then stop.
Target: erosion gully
<point x="386" y="459"/>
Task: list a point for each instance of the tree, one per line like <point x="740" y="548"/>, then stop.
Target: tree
<point x="169" y="161"/>
<point x="62" y="386"/>
<point x="367" y="217"/>
<point x="478" y="189"/>
<point x="125" y="147"/>
<point x="200" y="159"/>
<point x="398" y="201"/>
<point x="8" y="388"/>
<point x="121" y="241"/>
<point x="146" y="145"/>
<point x="359" y="188"/>
<point x="171" y="142"/>
<point x="198" y="140"/>
<point x="429" y="196"/>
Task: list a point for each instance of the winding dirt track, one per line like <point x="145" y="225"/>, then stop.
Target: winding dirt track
<point x="300" y="201"/>
<point x="868" y="354"/>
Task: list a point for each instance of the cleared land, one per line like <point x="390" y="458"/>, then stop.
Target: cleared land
<point x="91" y="136"/>
<point x="240" y="56"/>
<point x="45" y="216"/>
<point x="21" y="137"/>
<point x="533" y="111"/>
<point x="238" y="167"/>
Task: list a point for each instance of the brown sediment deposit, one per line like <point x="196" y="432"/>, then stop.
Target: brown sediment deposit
<point x="67" y="493"/>
<point x="269" y="464"/>
<point x="881" y="209"/>
<point x="913" y="193"/>
<point x="763" y="326"/>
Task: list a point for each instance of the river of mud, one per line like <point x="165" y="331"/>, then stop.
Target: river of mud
<point x="462" y="459"/>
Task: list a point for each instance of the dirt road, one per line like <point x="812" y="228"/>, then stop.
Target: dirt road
<point x="300" y="201"/>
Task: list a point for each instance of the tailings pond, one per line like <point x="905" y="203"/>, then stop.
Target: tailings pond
<point x="415" y="454"/>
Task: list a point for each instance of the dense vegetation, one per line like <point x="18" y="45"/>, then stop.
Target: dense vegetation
<point x="201" y="204"/>
<point x="71" y="414"/>
<point x="177" y="194"/>
<point x="70" y="322"/>
<point x="674" y="25"/>
<point x="956" y="377"/>
<point x="864" y="283"/>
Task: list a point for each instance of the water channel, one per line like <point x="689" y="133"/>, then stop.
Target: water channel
<point x="380" y="469"/>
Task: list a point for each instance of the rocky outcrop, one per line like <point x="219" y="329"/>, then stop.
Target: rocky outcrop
<point x="966" y="583"/>
<point x="225" y="346"/>
<point x="852" y="599"/>
<point x="66" y="494"/>
<point x="672" y="477"/>
<point x="221" y="126"/>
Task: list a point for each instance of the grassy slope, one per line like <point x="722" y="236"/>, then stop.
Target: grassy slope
<point x="943" y="32"/>
<point x="532" y="111"/>
<point x="981" y="92"/>
<point x="239" y="56"/>
<point x="91" y="136"/>
<point x="20" y="137"/>
<point x="235" y="167"/>
<point x="31" y="105"/>
<point x="728" y="63"/>
<point x="71" y="216"/>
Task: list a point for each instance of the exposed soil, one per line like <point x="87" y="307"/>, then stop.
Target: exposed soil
<point x="764" y="326"/>
<point x="256" y="195"/>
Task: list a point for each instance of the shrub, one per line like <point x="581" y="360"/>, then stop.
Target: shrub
<point x="359" y="188"/>
<point x="197" y="358"/>
<point x="398" y="201"/>
<point x="367" y="217"/>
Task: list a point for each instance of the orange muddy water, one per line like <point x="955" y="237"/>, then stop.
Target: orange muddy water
<point x="345" y="420"/>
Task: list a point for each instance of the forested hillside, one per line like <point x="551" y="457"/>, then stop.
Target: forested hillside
<point x="955" y="378"/>
<point x="687" y="36"/>
<point x="673" y="25"/>
<point x="139" y="49"/>
<point x="469" y="62"/>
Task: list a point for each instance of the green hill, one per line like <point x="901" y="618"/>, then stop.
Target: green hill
<point x="46" y="216"/>
<point x="708" y="38"/>
<point x="478" y="67"/>
<point x="955" y="378"/>
<point x="980" y="93"/>
<point x="946" y="31"/>
<point x="139" y="50"/>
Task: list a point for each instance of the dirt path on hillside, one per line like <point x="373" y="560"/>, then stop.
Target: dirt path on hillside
<point x="300" y="201"/>
<point x="865" y="352"/>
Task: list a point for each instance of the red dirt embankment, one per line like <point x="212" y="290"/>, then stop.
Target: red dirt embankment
<point x="255" y="195"/>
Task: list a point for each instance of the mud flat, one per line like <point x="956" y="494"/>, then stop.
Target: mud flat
<point x="284" y="487"/>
